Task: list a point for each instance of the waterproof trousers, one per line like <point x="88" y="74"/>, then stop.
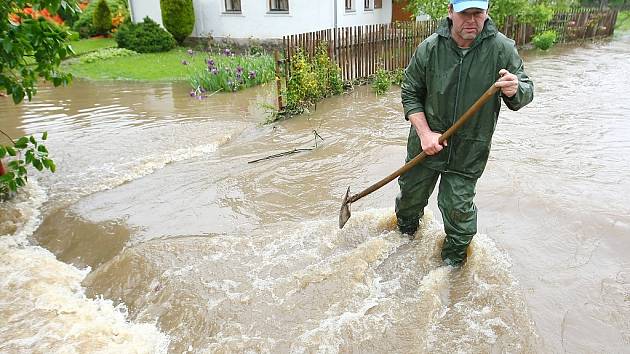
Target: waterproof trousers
<point x="455" y="200"/>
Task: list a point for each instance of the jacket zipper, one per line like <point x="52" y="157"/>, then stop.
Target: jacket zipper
<point x="459" y="77"/>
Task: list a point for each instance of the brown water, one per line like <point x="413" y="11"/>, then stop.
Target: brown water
<point x="156" y="234"/>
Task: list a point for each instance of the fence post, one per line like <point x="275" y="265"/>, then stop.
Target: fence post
<point x="276" y="56"/>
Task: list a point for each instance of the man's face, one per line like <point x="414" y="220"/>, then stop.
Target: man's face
<point x="467" y="24"/>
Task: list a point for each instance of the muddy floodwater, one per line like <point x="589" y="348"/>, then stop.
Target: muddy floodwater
<point x="157" y="235"/>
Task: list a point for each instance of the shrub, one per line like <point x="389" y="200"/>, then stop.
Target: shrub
<point x="545" y="39"/>
<point x="381" y="82"/>
<point x="84" y="25"/>
<point x="102" y="18"/>
<point x="311" y="80"/>
<point x="178" y="17"/>
<point x="144" y="37"/>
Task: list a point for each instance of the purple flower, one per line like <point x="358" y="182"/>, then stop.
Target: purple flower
<point x="252" y="75"/>
<point x="190" y="52"/>
<point x="227" y="52"/>
<point x="192" y="93"/>
<point x="214" y="71"/>
<point x="210" y="63"/>
<point x="184" y="62"/>
<point x="239" y="70"/>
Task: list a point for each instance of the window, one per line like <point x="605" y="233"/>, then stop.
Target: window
<point x="349" y="5"/>
<point x="367" y="4"/>
<point x="279" y="5"/>
<point x="378" y="4"/>
<point x="232" y="5"/>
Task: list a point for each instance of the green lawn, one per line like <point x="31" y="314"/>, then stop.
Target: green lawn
<point x="151" y="66"/>
<point x="89" y="45"/>
<point x="623" y="21"/>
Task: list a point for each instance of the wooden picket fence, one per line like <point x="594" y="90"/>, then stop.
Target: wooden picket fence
<point x="571" y="25"/>
<point x="361" y="50"/>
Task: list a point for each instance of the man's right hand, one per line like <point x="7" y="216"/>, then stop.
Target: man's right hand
<point x="429" y="140"/>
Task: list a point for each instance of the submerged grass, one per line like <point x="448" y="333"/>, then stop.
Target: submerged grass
<point x="89" y="45"/>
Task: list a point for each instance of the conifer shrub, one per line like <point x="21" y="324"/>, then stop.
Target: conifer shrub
<point x="178" y="17"/>
<point x="102" y="18"/>
<point x="84" y="24"/>
<point x="144" y="37"/>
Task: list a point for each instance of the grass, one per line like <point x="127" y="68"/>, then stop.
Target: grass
<point x="89" y="45"/>
<point x="623" y="21"/>
<point x="150" y="67"/>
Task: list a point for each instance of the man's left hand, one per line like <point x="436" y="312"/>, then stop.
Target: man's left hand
<point x="508" y="83"/>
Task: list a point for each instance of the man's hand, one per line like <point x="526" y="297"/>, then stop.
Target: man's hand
<point x="429" y="140"/>
<point x="508" y="83"/>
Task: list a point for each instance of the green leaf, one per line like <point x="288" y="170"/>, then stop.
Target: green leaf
<point x="22" y="143"/>
<point x="32" y="140"/>
<point x="11" y="151"/>
<point x="38" y="165"/>
<point x="7" y="177"/>
<point x="3" y="152"/>
<point x="45" y="136"/>
<point x="42" y="148"/>
<point x="52" y="167"/>
<point x="12" y="185"/>
<point x="18" y="94"/>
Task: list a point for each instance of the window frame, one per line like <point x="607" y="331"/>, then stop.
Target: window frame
<point x="368" y="5"/>
<point x="277" y="9"/>
<point x="232" y="11"/>
<point x="349" y="5"/>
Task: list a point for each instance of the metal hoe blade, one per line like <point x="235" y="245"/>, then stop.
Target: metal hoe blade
<point x="344" y="213"/>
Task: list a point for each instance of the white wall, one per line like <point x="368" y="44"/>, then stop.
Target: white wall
<point x="256" y="21"/>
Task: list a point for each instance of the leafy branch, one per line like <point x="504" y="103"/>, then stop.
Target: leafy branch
<point x="34" y="153"/>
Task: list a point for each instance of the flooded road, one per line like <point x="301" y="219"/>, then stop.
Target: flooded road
<point x="157" y="235"/>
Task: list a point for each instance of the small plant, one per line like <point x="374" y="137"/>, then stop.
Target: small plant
<point x="227" y="72"/>
<point x="311" y="80"/>
<point x="178" y="17"/>
<point x="16" y="176"/>
<point x="381" y="82"/>
<point x="102" y="18"/>
<point x="397" y="76"/>
<point x="545" y="40"/>
<point x="144" y="37"/>
<point x="106" y="53"/>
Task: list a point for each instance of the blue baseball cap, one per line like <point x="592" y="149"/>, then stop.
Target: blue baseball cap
<point x="461" y="5"/>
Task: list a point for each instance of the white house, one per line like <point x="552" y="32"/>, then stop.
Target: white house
<point x="271" y="19"/>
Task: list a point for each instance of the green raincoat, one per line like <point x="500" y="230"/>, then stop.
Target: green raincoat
<point x="443" y="81"/>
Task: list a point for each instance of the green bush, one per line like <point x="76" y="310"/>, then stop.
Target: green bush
<point x="102" y="18"/>
<point x="178" y="17"/>
<point x="381" y="82"/>
<point x="144" y="37"/>
<point x="84" y="25"/>
<point x="311" y="80"/>
<point x="545" y="40"/>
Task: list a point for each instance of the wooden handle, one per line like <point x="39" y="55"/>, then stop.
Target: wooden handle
<point x="490" y="92"/>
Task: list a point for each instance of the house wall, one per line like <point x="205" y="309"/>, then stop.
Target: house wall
<point x="255" y="21"/>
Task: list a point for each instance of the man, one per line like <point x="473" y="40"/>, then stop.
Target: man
<point x="449" y="71"/>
